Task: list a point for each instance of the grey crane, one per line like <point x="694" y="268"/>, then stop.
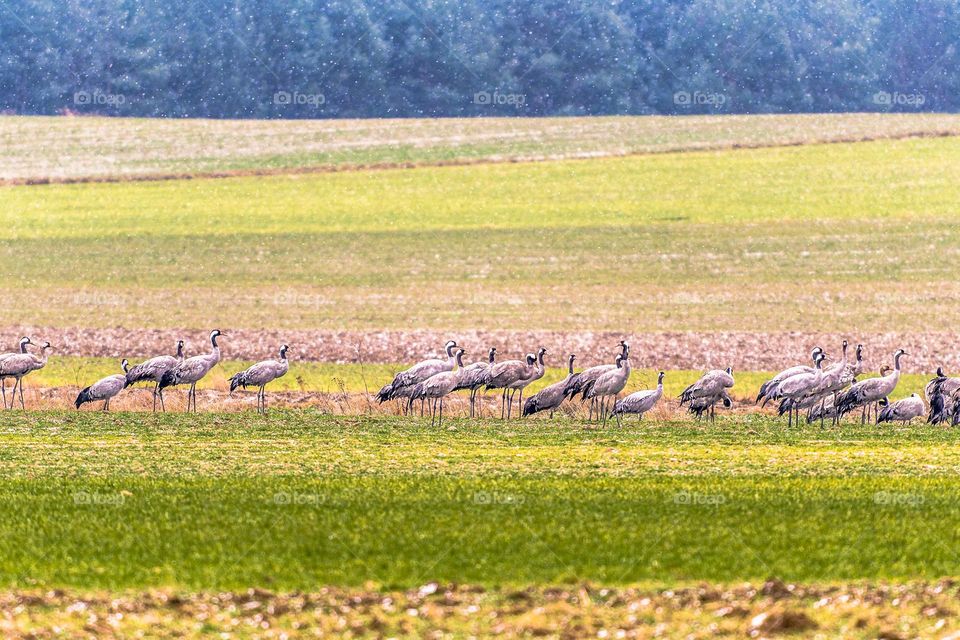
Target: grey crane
<point x="824" y="406"/>
<point x="152" y="370"/>
<point x="639" y="402"/>
<point x="402" y="384"/>
<point x="836" y="378"/>
<point x="19" y="365"/>
<point x="192" y="370"/>
<point x="868" y="392"/>
<point x="24" y="341"/>
<point x="796" y="389"/>
<point x="706" y="404"/>
<point x="609" y="385"/>
<point x="770" y="385"/>
<point x="903" y="410"/>
<point x="580" y="382"/>
<point x="941" y="392"/>
<point x="857" y="367"/>
<point x="261" y="374"/>
<point x="503" y="375"/>
<point x="474" y="376"/>
<point x="550" y="397"/>
<point x="523" y="383"/>
<point x="709" y="389"/>
<point x="105" y="388"/>
<point x="437" y="387"/>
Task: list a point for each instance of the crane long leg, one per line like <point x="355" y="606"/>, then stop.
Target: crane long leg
<point x="20" y="385"/>
<point x="440" y="421"/>
<point x="3" y="386"/>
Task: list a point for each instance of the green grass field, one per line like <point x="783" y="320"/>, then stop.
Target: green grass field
<point x="297" y="500"/>
<point x="692" y="241"/>
<point x="539" y="527"/>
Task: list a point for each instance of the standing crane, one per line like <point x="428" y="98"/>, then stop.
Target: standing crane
<point x="769" y="387"/>
<point x="550" y="397"/>
<point x="523" y="383"/>
<point x="835" y="379"/>
<point x="711" y="388"/>
<point x="192" y="370"/>
<point x="19" y="365"/>
<point x="580" y="382"/>
<point x="475" y="376"/>
<point x="439" y="386"/>
<point x="153" y="370"/>
<point x="105" y="388"/>
<point x="402" y="384"/>
<point x="260" y="374"/>
<point x="799" y="388"/>
<point x="941" y="392"/>
<point x="868" y="392"/>
<point x="639" y="402"/>
<point x="24" y="341"/>
<point x="503" y="375"/>
<point x="609" y="384"/>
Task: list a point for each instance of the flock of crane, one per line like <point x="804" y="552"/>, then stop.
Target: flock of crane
<point x="162" y="371"/>
<point x="830" y="392"/>
<point x="824" y="392"/>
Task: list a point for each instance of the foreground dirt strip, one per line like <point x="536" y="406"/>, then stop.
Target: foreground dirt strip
<point x="459" y="162"/>
<point x="890" y="611"/>
<point x="668" y="350"/>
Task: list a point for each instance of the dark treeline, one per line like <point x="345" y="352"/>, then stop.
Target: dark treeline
<point x="358" y="58"/>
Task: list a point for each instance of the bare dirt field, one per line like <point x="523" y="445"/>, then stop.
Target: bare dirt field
<point x="742" y="350"/>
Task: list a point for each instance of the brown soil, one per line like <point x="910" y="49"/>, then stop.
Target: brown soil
<point x="773" y="609"/>
<point x="745" y="351"/>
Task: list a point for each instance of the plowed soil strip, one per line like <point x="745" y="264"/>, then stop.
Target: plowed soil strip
<point x="742" y="350"/>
